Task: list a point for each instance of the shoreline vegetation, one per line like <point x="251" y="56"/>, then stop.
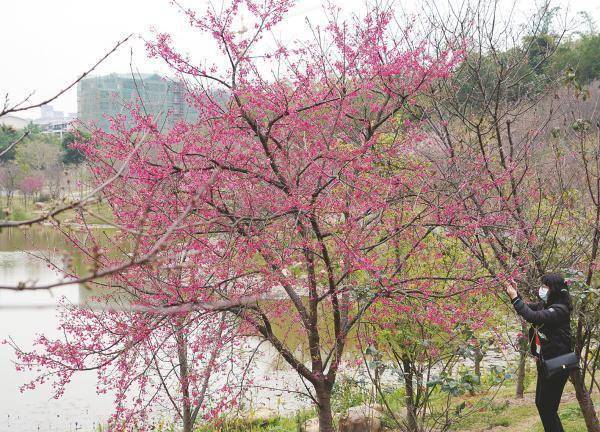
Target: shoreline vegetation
<point x="502" y="413"/>
<point x="99" y="215"/>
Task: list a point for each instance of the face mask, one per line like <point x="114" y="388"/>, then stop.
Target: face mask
<point x="543" y="293"/>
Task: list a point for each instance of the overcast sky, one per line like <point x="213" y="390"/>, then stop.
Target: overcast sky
<point x="47" y="44"/>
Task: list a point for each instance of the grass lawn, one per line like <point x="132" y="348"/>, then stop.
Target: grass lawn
<point x="504" y="413"/>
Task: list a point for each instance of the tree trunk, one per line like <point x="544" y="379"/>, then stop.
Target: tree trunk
<point x="521" y="375"/>
<point x="411" y="409"/>
<point x="186" y="413"/>
<point x="582" y="338"/>
<point x="478" y="359"/>
<point x="585" y="402"/>
<point x="578" y="376"/>
<point x="523" y="350"/>
<point x="324" y="408"/>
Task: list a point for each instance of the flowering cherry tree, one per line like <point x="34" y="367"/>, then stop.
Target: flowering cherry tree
<point x="32" y="184"/>
<point x="426" y="341"/>
<point x="292" y="204"/>
<point x="152" y="365"/>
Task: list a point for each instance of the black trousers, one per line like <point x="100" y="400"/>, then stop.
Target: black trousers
<point x="548" y="392"/>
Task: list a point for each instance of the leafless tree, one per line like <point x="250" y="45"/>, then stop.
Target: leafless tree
<point x="490" y="123"/>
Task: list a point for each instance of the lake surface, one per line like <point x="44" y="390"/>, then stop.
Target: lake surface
<point x="80" y="408"/>
<point x="24" y="315"/>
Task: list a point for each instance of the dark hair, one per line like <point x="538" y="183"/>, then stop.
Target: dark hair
<point x="559" y="290"/>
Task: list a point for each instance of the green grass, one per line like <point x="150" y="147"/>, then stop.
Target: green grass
<point x="571" y="418"/>
<point x="19" y="211"/>
<point x="278" y="424"/>
<point x="522" y="417"/>
<point x="496" y="414"/>
<point x="501" y="412"/>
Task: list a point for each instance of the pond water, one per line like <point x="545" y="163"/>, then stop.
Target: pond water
<point x="21" y="319"/>
<point x="24" y="315"/>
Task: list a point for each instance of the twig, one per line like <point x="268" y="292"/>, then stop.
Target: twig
<point x="17" y="108"/>
<point x="7" y="149"/>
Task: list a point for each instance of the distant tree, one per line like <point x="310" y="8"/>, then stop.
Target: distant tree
<point x="39" y="152"/>
<point x="8" y="135"/>
<point x="42" y="153"/>
<point x="9" y="177"/>
<point x="33" y="129"/>
<point x="70" y="155"/>
<point x="539" y="49"/>
<point x="581" y="55"/>
<point x="31" y="185"/>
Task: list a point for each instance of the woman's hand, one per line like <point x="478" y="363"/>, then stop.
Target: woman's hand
<point x="510" y="289"/>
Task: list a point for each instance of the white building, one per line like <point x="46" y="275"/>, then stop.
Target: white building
<point x="14" y="121"/>
<point x="54" y="122"/>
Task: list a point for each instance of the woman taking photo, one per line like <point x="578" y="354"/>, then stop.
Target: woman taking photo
<point x="550" y="319"/>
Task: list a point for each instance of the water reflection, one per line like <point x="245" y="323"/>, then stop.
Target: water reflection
<point x="80" y="408"/>
<point x="36" y="238"/>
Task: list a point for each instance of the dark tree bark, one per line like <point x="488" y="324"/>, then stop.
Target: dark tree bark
<point x="323" y="393"/>
<point x="411" y="409"/>
<point x="585" y="402"/>
<point x="186" y="412"/>
<point x="523" y="352"/>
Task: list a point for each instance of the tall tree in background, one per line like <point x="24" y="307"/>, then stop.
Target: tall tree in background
<point x="8" y="136"/>
<point x="10" y="175"/>
<point x="580" y="53"/>
<point x="71" y="155"/>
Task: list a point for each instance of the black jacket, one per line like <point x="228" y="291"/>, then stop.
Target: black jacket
<point x="553" y="323"/>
